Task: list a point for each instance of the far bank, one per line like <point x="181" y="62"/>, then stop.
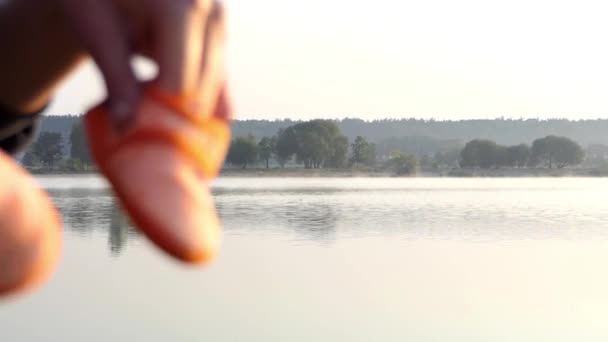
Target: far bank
<point x="348" y="173"/>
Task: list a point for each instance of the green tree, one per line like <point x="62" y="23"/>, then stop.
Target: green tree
<point x="339" y="151"/>
<point x="79" y="149"/>
<point x="312" y="148"/>
<point x="402" y="164"/>
<point x="31" y="160"/>
<point x="479" y="153"/>
<point x="48" y="148"/>
<point x="501" y="156"/>
<point x="266" y="147"/>
<point x="553" y="151"/>
<point x="518" y="155"/>
<point x="447" y="158"/>
<point x="362" y="152"/>
<point x="286" y="145"/>
<point x="316" y="140"/>
<point x="243" y="151"/>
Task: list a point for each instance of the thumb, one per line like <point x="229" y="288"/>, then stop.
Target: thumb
<point x="99" y="26"/>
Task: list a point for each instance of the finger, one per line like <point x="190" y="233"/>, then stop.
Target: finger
<point x="179" y="47"/>
<point x="212" y="77"/>
<point x="101" y="30"/>
<point x="223" y="107"/>
<point x="29" y="243"/>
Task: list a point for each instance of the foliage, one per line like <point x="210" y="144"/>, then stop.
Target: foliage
<point x="48" y="148"/>
<point x="325" y="143"/>
<point x="243" y="151"/>
<point x="78" y="144"/>
<point x="31" y="160"/>
<point x="479" y="153"/>
<point x="449" y="158"/>
<point x="419" y="146"/>
<point x="504" y="131"/>
<point x="556" y="151"/>
<point x="316" y="144"/>
<point x="487" y="154"/>
<point x="74" y="165"/>
<point x="596" y="156"/>
<point x="337" y="159"/>
<point x="402" y="164"/>
<point x="426" y="163"/>
<point x="362" y="152"/>
<point x="286" y="146"/>
<point x="518" y="155"/>
<point x="411" y="136"/>
<point x="266" y="147"/>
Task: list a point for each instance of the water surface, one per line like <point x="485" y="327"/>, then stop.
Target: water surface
<point x="336" y="260"/>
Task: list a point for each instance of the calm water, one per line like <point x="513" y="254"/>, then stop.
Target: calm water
<point x="337" y="260"/>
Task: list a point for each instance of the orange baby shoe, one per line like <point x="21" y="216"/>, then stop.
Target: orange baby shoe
<point x="160" y="168"/>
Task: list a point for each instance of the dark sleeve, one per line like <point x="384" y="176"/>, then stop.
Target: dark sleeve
<point x="16" y="129"/>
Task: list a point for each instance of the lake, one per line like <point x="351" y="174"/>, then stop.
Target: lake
<point x="322" y="259"/>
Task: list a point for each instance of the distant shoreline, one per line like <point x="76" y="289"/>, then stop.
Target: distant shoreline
<point x="352" y="173"/>
<point x="453" y="173"/>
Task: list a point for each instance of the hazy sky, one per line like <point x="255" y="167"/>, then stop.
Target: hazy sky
<point x="388" y="58"/>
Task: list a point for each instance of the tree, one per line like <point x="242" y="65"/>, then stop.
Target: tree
<point x="337" y="159"/>
<point x="266" y="146"/>
<point x="518" y="155"/>
<point x="449" y="158"/>
<point x="315" y="143"/>
<point x="597" y="152"/>
<point x="243" y="151"/>
<point x="479" y="153"/>
<point x="286" y="146"/>
<point x="555" y="151"/>
<point x="597" y="156"/>
<point x="402" y="164"/>
<point x="79" y="149"/>
<point x="48" y="148"/>
<point x="313" y="149"/>
<point x="362" y="152"/>
<point x="31" y="160"/>
<point x="501" y="156"/>
<point x="419" y="146"/>
<point x="426" y="162"/>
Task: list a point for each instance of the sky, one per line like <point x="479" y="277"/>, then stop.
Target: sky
<point x="440" y="59"/>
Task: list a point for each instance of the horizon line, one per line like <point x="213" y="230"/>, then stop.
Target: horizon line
<point x="500" y="118"/>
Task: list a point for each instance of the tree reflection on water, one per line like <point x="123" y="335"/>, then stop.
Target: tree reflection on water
<point x="92" y="211"/>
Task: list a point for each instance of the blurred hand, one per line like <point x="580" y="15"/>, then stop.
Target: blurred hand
<point x="185" y="38"/>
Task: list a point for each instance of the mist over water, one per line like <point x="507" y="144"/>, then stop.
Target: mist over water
<point x="346" y="259"/>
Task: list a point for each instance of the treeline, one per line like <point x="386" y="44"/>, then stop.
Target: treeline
<point x="53" y="151"/>
<point x="549" y="152"/>
<point x="312" y="144"/>
<point x="315" y="144"/>
<point x="427" y="134"/>
<point x="291" y="145"/>
<point x="503" y="131"/>
<point x="320" y="144"/>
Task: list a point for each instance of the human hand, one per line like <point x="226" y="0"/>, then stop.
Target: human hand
<point x="185" y="38"/>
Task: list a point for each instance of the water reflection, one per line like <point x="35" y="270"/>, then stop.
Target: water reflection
<point x="324" y="211"/>
<point x="313" y="221"/>
<point x="89" y="211"/>
<point x="119" y="231"/>
<point x="375" y="260"/>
